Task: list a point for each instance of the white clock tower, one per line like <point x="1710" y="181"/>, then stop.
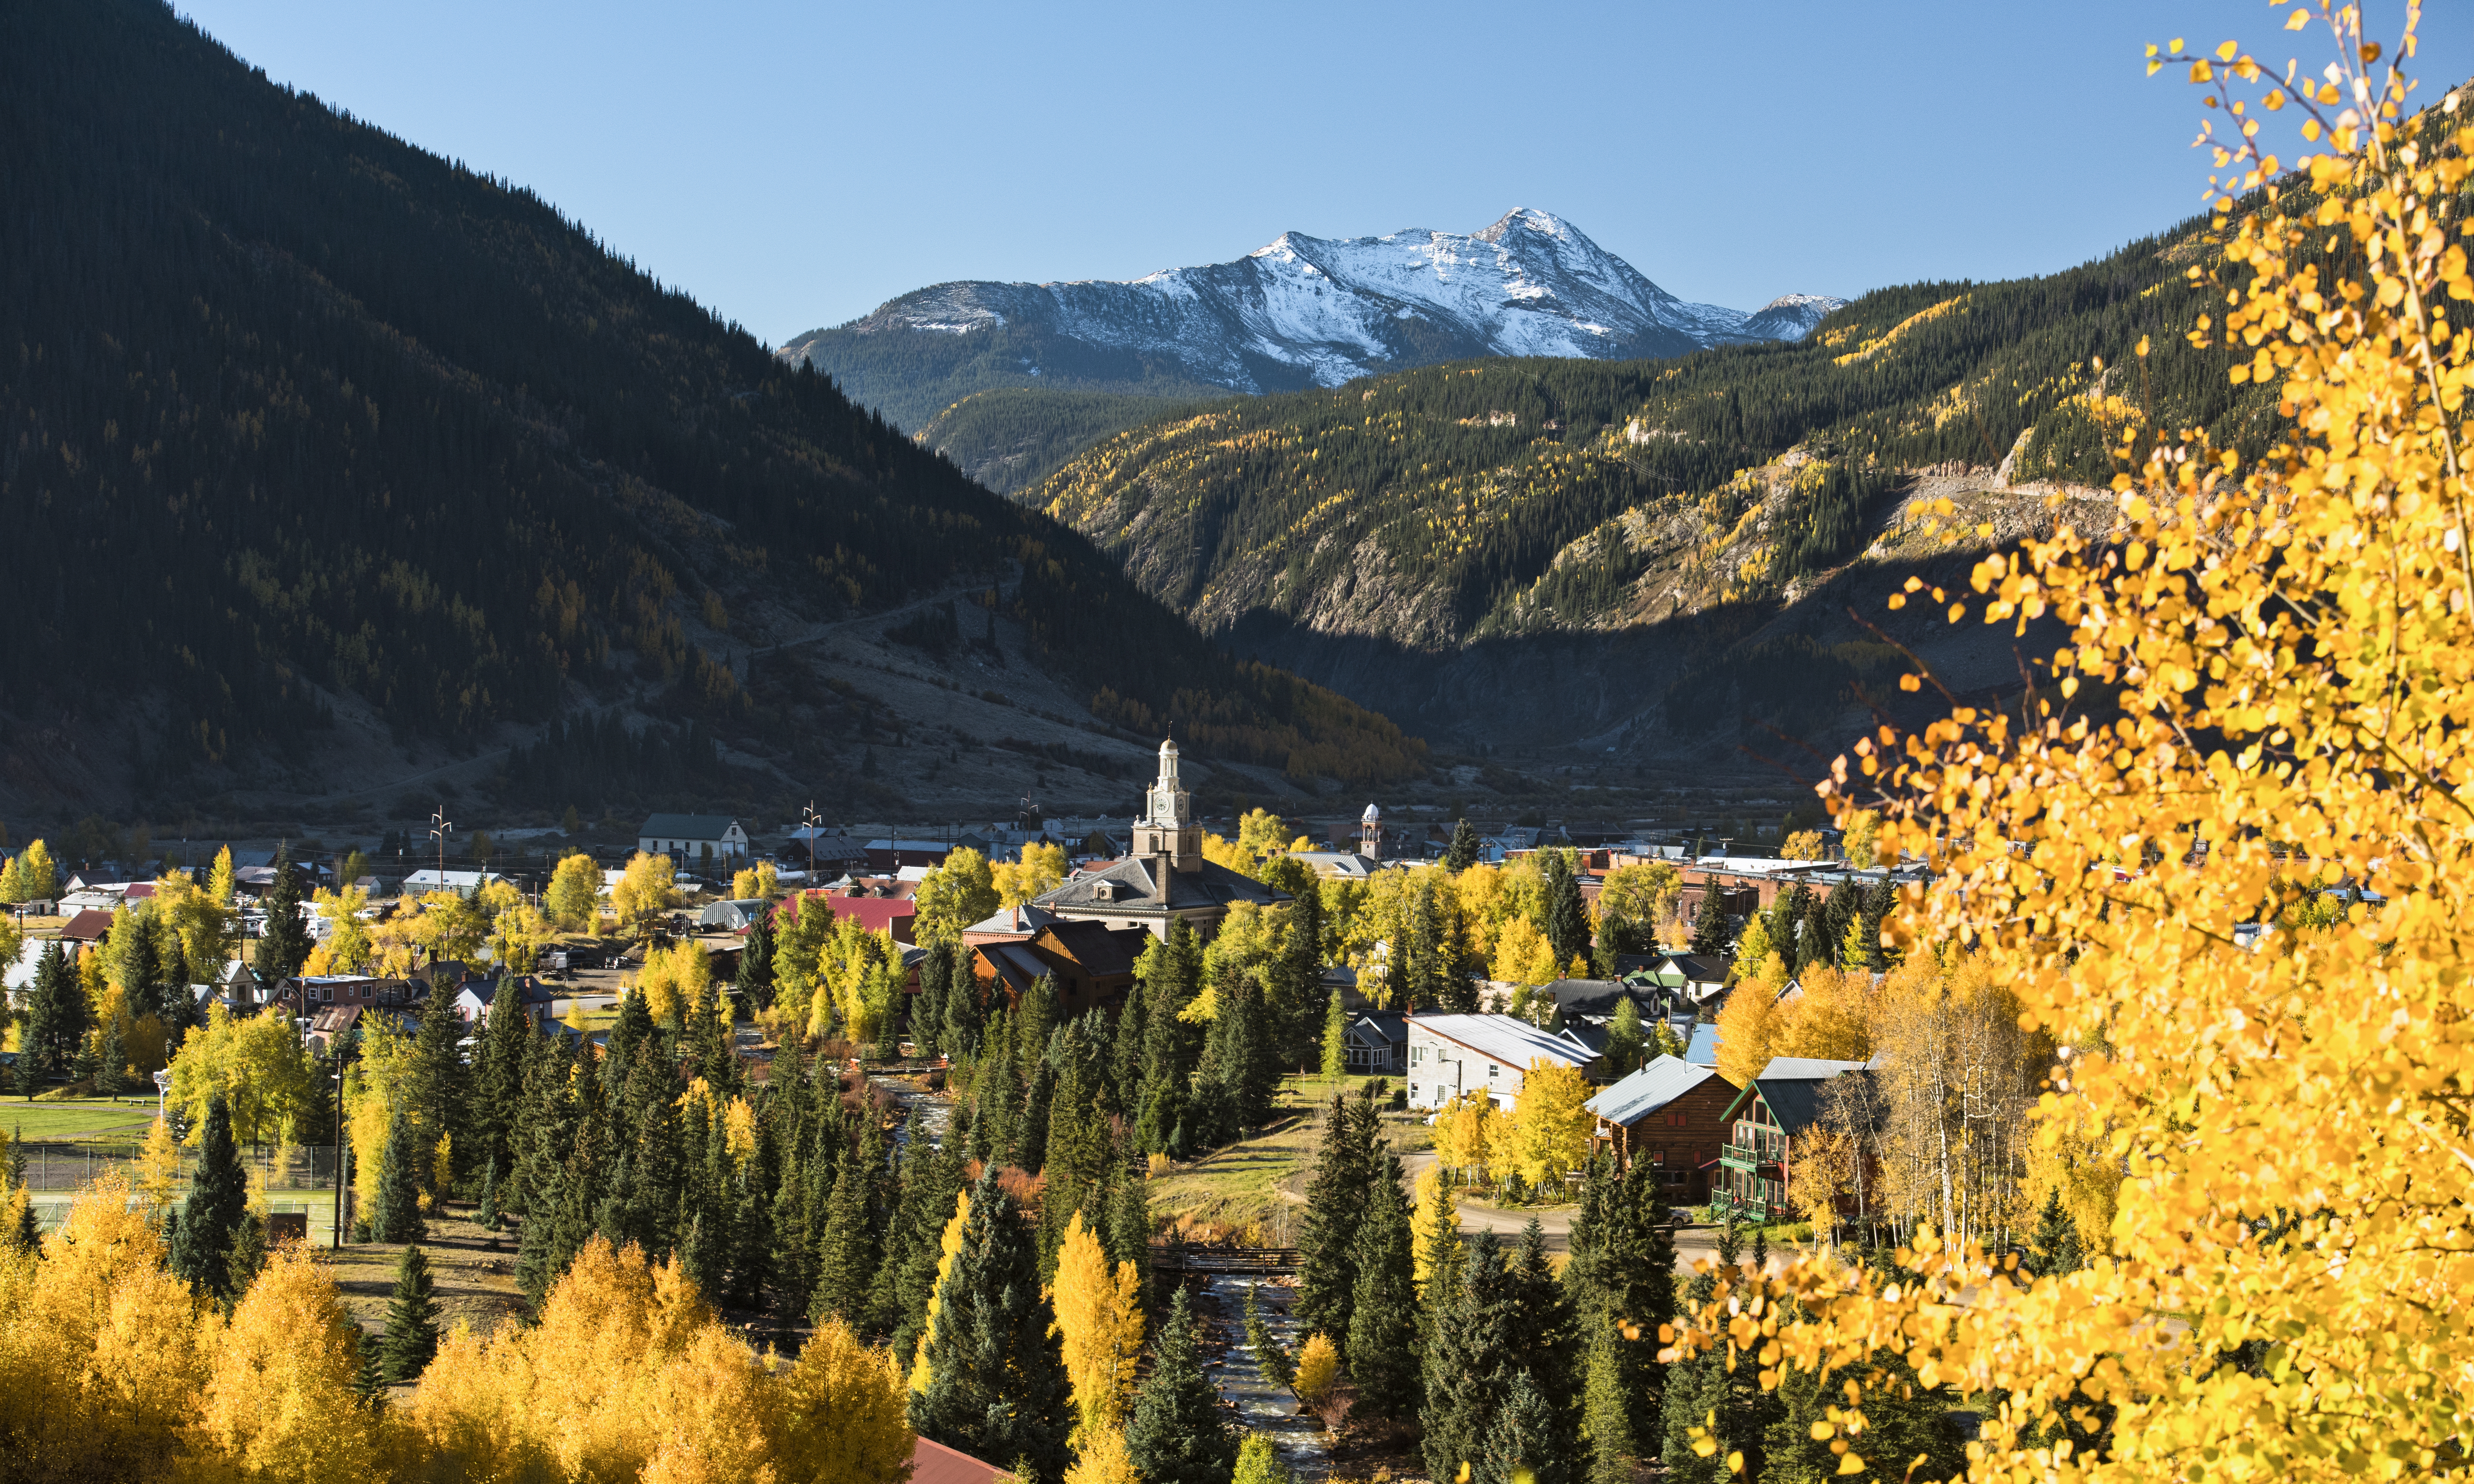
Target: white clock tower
<point x="1167" y="826"/>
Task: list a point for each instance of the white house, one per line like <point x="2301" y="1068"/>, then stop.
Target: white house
<point x="1452" y="1054"/>
<point x="687" y="839"/>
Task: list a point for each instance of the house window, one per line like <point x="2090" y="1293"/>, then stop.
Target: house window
<point x="1489" y="1070"/>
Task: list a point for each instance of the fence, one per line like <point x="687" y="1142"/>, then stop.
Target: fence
<point x="68" y="1166"/>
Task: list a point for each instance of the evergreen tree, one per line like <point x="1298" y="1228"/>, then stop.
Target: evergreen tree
<point x="1713" y="1382"/>
<point x="285" y="947"/>
<point x="497" y="1077"/>
<point x="1544" y="1339"/>
<point x="1465" y="849"/>
<point x="997" y="1386"/>
<point x="397" y="1214"/>
<point x="1031" y="1126"/>
<point x="1335" y="1038"/>
<point x="1471" y="1340"/>
<point x="1129" y="1225"/>
<point x="217" y="1204"/>
<point x="1567" y="921"/>
<point x="753" y="988"/>
<point x="926" y="1015"/>
<point x="846" y="1259"/>
<point x="411" y="1335"/>
<point x="1711" y="933"/>
<point x="56" y="1017"/>
<point x="934" y="1180"/>
<point x="1627" y="1042"/>
<point x="1178" y="1434"/>
<point x="1696" y="1396"/>
<point x="1382" y="1342"/>
<point x="1125" y="1053"/>
<point x="434" y="1085"/>
<point x="1605" y="1410"/>
<point x="959" y="1038"/>
<point x="1335" y="1207"/>
<point x="248" y="1256"/>
<point x="2054" y="1252"/>
<point x="1620" y="1281"/>
<point x="1297" y="983"/>
<point x="1526" y="1444"/>
<point x="488" y="1216"/>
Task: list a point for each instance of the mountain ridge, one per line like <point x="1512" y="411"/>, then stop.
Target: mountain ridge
<point x="1298" y="311"/>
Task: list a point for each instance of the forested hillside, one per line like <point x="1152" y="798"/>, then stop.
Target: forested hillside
<point x="1017" y="436"/>
<point x="296" y="411"/>
<point x="1452" y="487"/>
<point x="1444" y="541"/>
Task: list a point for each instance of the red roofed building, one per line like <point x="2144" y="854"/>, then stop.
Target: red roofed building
<point x="876" y="914"/>
<point x="933" y="1463"/>
<point x="87" y="926"/>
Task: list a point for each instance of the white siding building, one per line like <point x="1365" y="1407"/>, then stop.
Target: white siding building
<point x="1452" y="1054"/>
<point x="715" y="840"/>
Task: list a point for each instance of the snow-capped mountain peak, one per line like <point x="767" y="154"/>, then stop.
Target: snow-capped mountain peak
<point x="1305" y="310"/>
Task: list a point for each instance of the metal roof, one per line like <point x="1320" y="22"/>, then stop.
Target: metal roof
<point x="1507" y="1039"/>
<point x="1648" y="1089"/>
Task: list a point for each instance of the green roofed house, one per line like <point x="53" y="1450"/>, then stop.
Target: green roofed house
<point x="687" y="839"/>
<point x="1773" y="1121"/>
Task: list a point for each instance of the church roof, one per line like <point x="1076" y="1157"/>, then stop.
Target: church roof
<point x="1131" y="885"/>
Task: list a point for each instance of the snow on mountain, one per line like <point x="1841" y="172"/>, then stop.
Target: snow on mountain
<point x="1309" y="310"/>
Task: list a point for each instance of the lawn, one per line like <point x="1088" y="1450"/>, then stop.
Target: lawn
<point x="1236" y="1190"/>
<point x="84" y="1118"/>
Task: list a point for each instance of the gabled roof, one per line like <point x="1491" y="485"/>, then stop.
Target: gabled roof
<point x="933" y="1463"/>
<point x="1015" y="964"/>
<point x="1704" y="1048"/>
<point x="1391" y="1025"/>
<point x="1087" y="943"/>
<point x="1025" y="919"/>
<point x="1647" y="1091"/>
<point x="1790" y="1086"/>
<point x="1506" y="1039"/>
<point x="87" y="926"/>
<point x="688" y="826"/>
<point x="1135" y="890"/>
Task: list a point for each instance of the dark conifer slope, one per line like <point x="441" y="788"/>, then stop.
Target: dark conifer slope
<point x="294" y="408"/>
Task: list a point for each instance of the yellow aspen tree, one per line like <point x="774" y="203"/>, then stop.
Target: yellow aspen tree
<point x="1318" y="1369"/>
<point x="2279" y="650"/>
<point x="843" y="1413"/>
<point x="279" y="1403"/>
<point x="1749" y="1023"/>
<point x="646" y="888"/>
<point x="1102" y="1459"/>
<point x="1099" y="1319"/>
<point x="1551" y="1125"/>
<point x="574" y="892"/>
<point x="1828" y="1016"/>
<point x="159" y="1164"/>
<point x="1437" y="1226"/>
<point x="101" y="1349"/>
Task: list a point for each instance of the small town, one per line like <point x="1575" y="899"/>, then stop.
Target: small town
<point x="1269" y="1079"/>
<point x="809" y="743"/>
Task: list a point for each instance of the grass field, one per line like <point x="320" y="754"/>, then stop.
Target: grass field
<point x="85" y="1118"/>
<point x="1236" y="1190"/>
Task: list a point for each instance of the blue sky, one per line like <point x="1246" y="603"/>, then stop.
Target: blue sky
<point x="795" y="164"/>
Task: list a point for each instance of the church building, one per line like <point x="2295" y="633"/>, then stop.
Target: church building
<point x="1163" y="878"/>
